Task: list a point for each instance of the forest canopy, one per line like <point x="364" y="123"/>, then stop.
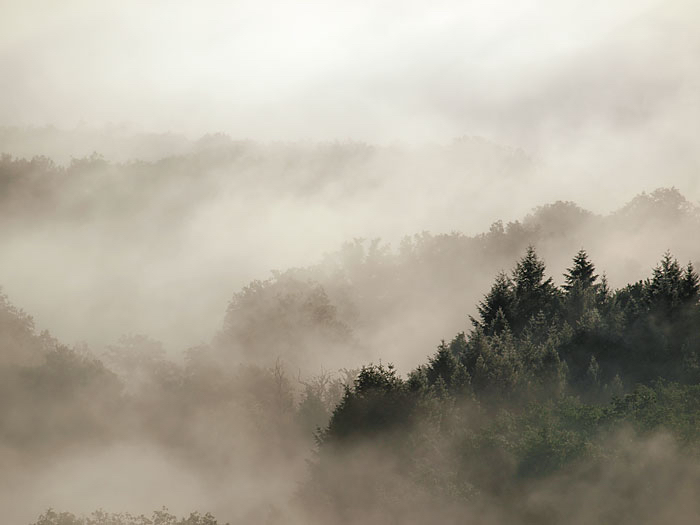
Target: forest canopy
<point x="544" y="372"/>
<point x="535" y="392"/>
<point x="540" y="385"/>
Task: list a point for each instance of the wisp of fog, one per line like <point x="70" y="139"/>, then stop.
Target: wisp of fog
<point x="331" y="262"/>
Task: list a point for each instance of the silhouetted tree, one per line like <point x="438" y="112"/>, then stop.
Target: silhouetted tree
<point x="581" y="273"/>
<point x="496" y="309"/>
<point x="533" y="292"/>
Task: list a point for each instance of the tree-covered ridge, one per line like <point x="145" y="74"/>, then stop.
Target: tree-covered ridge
<point x="643" y="331"/>
<point x="55" y="184"/>
<point x="541" y="384"/>
<point x="372" y="288"/>
<point x="158" y="517"/>
<point x="530" y="333"/>
<point x="197" y="210"/>
<point x="529" y="388"/>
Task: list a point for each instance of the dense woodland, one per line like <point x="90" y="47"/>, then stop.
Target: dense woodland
<point x="543" y="382"/>
<point x="539" y="385"/>
<point x="329" y="381"/>
<point x="349" y="263"/>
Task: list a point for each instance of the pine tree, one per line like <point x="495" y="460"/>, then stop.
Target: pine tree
<point x="497" y="304"/>
<point x="529" y="272"/>
<point x="499" y="324"/>
<point x="581" y="290"/>
<point x="581" y="274"/>
<point x="690" y="285"/>
<point x="533" y="293"/>
<point x="664" y="290"/>
<point x="445" y="366"/>
<point x="603" y="293"/>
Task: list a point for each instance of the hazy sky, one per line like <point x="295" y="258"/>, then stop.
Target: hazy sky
<point x="603" y="96"/>
<point x="378" y="71"/>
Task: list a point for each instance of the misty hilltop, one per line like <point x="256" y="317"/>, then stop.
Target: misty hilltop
<point x="554" y="391"/>
<point x="161" y="341"/>
<point x="370" y="262"/>
<point x="289" y="359"/>
<point x="145" y="233"/>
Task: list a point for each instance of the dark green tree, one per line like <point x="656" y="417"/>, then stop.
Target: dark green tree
<point x="533" y="292"/>
<point x="690" y="285"/>
<point x="664" y="290"/>
<point x="498" y="303"/>
<point x="581" y="291"/>
<point x="581" y="274"/>
<point x="445" y="367"/>
<point x="377" y="402"/>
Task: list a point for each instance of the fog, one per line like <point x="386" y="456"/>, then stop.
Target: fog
<point x="370" y="71"/>
<point x="590" y="87"/>
<point x="221" y="211"/>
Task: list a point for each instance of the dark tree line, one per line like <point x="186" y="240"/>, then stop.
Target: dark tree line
<point x="542" y="377"/>
<point x="158" y="517"/>
<point x="543" y="370"/>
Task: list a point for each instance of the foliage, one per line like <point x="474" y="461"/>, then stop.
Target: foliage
<point x="158" y="517"/>
<point x="541" y="381"/>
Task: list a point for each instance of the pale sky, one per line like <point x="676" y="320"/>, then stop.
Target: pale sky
<point x="377" y="71"/>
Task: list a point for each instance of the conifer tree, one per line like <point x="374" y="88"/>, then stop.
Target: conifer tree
<point x="533" y="293"/>
<point x="445" y="366"/>
<point x="497" y="304"/>
<point x="582" y="291"/>
<point x="690" y="285"/>
<point x="582" y="273"/>
<point x="603" y="292"/>
<point x="664" y="290"/>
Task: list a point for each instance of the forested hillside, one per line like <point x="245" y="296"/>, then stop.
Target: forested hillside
<point x="148" y="230"/>
<point x="553" y="391"/>
<point x="370" y="294"/>
<point x="579" y="363"/>
<point x="349" y="262"/>
<point x="548" y="388"/>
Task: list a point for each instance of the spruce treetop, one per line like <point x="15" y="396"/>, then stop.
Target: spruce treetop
<point x="582" y="272"/>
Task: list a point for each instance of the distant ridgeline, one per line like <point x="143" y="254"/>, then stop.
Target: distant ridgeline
<point x="542" y="381"/>
<point x="357" y="300"/>
<point x="548" y="379"/>
<point x="158" y="517"/>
